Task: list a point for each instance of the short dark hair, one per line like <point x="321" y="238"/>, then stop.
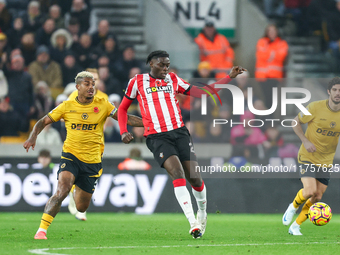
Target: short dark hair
<point x="156" y="54"/>
<point x="334" y="81"/>
<point x="45" y="153"/>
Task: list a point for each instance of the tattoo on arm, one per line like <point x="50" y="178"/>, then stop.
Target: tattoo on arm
<point x="135" y="121"/>
<point x="38" y="127"/>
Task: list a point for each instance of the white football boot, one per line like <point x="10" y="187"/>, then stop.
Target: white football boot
<point x="81" y="216"/>
<point x="195" y="230"/>
<point x="289" y="214"/>
<point x="73" y="209"/>
<point x="294" y="229"/>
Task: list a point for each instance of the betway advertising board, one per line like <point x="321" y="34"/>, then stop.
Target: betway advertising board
<point x="24" y="187"/>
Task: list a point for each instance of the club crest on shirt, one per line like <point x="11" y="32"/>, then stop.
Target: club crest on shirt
<point x="85" y="116"/>
<point x="332" y="124"/>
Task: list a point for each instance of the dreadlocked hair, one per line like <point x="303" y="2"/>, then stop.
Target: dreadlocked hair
<point x="156" y="54"/>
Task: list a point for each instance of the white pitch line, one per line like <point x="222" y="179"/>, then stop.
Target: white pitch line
<point x="45" y="251"/>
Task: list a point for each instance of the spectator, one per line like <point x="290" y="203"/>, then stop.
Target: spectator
<point x="215" y="49"/>
<point x="297" y="9"/>
<point x="99" y="37"/>
<point x="83" y="50"/>
<point x="20" y="5"/>
<point x="243" y="134"/>
<point x="204" y="72"/>
<point x="4" y="47"/>
<point x="5" y="17"/>
<point x="109" y="48"/>
<point x="61" y="41"/>
<point x="111" y="127"/>
<point x="317" y="13"/>
<point x="33" y="19"/>
<point x="66" y="5"/>
<point x="334" y="32"/>
<point x="20" y="88"/>
<point x="70" y="89"/>
<point x="55" y="14"/>
<point x="271" y="53"/>
<point x="240" y="156"/>
<point x="274" y="8"/>
<point x="275" y="140"/>
<point x="44" y="69"/>
<point x="3" y="85"/>
<point x="43" y="35"/>
<point x="74" y="29"/>
<point x="112" y="85"/>
<point x="43" y="102"/>
<point x="122" y="67"/>
<point x="103" y="60"/>
<point x="49" y="136"/>
<point x="15" y="33"/>
<point x="45" y="159"/>
<point x="138" y="134"/>
<point x="69" y="68"/>
<point x="81" y="11"/>
<point x="28" y="48"/>
<point x="134" y="161"/>
<point x="14" y="121"/>
<point x="60" y="125"/>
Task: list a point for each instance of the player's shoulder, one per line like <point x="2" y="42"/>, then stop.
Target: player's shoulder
<point x="320" y="104"/>
<point x="139" y="77"/>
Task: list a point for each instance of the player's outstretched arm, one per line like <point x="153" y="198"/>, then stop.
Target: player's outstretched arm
<point x="38" y="127"/>
<point x="132" y="120"/>
<point x="310" y="147"/>
<point x="197" y="92"/>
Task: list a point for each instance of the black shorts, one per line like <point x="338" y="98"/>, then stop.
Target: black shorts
<point x="308" y="169"/>
<point x="175" y="142"/>
<point x="86" y="174"/>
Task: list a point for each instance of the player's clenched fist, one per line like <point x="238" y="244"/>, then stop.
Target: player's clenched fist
<point x="127" y="137"/>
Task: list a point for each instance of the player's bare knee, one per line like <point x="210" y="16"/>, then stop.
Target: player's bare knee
<point x="196" y="182"/>
<point x="176" y="173"/>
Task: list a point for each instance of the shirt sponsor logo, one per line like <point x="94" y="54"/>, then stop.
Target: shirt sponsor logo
<point x="165" y="89"/>
<point x="84" y="126"/>
<point x="326" y="132"/>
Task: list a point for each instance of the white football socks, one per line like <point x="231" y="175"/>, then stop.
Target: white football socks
<point x="184" y="200"/>
<point x="201" y="199"/>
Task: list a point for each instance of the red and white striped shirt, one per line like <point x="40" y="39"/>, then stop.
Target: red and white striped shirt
<point x="157" y="101"/>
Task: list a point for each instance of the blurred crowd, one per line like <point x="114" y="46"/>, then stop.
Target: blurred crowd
<point x="45" y="43"/>
<point x="308" y="18"/>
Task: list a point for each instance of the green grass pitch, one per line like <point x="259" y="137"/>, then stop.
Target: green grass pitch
<point x="123" y="233"/>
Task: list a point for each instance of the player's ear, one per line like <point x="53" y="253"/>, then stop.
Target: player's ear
<point x="77" y="86"/>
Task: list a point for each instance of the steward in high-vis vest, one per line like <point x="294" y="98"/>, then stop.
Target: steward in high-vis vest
<point x="215" y="48"/>
<point x="271" y="52"/>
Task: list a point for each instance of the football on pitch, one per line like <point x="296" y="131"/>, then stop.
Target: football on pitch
<point x="320" y="214"/>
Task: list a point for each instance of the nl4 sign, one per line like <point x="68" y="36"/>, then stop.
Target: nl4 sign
<point x="193" y="14"/>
